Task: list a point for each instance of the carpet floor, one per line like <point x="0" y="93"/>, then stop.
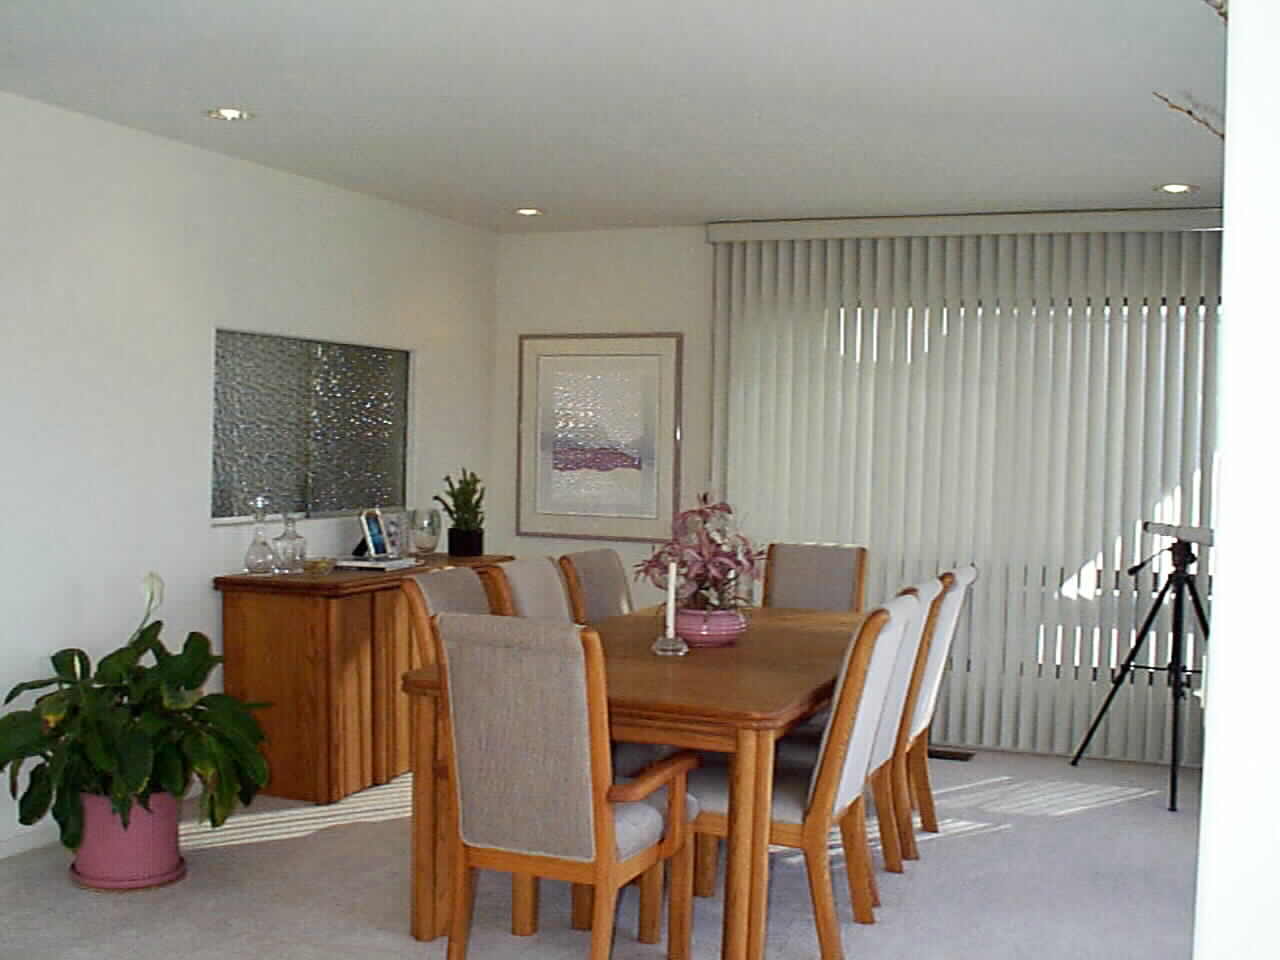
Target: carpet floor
<point x="1035" y="859"/>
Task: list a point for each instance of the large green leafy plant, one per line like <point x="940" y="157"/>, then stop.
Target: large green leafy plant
<point x="139" y="724"/>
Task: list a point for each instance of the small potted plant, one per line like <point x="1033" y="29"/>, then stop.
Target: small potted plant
<point x="464" y="506"/>
<point x="114" y="749"/>
<point x="715" y="566"/>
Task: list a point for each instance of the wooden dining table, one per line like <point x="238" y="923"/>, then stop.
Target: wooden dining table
<point x="736" y="700"/>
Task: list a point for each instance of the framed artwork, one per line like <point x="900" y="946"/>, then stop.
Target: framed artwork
<point x="599" y="435"/>
<point x="395" y="525"/>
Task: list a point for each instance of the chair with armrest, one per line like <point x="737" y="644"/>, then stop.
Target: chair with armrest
<point x="913" y="773"/>
<point x="597" y="585"/>
<point x="527" y="728"/>
<point x="815" y="576"/>
<point x="807" y="802"/>
<point x="530" y="587"/>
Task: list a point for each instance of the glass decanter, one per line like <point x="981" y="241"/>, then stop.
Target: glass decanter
<point x="260" y="557"/>
<point x="290" y="548"/>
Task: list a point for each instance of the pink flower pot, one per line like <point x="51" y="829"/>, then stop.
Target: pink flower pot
<point x="710" y="628"/>
<point x="145" y="855"/>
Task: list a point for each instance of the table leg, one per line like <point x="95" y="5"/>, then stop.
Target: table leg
<point x="739" y="859"/>
<point x="763" y="816"/>
<point x="423" y="919"/>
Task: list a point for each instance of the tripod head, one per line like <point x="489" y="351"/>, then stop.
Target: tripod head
<point x="1180" y="550"/>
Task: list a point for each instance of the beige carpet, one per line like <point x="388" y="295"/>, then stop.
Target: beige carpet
<point x="1036" y="860"/>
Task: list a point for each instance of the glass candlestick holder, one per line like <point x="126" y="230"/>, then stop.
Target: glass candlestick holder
<point x="260" y="557"/>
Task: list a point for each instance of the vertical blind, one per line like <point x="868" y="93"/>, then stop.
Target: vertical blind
<point x="1021" y="401"/>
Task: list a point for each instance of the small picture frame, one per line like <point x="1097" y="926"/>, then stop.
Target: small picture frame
<point x="395" y="524"/>
<point x="375" y="532"/>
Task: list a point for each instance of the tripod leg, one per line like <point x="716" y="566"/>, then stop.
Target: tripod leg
<point x="1176" y="689"/>
<point x="1125" y="669"/>
<point x="1195" y="601"/>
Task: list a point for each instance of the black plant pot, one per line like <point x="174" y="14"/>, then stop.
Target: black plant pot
<point x="465" y="543"/>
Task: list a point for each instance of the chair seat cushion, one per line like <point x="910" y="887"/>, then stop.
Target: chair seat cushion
<point x="710" y="786"/>
<point x="639" y="825"/>
<point x="630" y="758"/>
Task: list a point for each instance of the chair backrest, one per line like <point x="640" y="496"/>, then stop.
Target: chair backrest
<point x="535" y="588"/>
<point x="815" y="576"/>
<point x="944" y="632"/>
<point x="446" y="590"/>
<point x="895" y="700"/>
<point x="845" y="752"/>
<point x="597" y="584"/>
<point x="528" y="722"/>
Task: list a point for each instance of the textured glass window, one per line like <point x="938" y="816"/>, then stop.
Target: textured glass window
<point x="318" y="427"/>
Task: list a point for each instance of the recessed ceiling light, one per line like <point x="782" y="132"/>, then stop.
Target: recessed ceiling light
<point x="228" y="113"/>
<point x="529" y="211"/>
<point x="1177" y="188"/>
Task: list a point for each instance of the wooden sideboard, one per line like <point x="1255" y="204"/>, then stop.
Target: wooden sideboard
<point x="327" y="653"/>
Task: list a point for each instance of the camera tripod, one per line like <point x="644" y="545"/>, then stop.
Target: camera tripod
<point x="1181" y="582"/>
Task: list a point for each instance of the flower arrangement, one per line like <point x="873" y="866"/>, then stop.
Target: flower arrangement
<point x="714" y="561"/>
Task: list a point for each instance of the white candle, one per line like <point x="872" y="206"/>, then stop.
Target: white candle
<point x="671" y="599"/>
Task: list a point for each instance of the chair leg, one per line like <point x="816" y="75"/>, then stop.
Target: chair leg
<point x="706" y="863"/>
<point x="680" y="904"/>
<point x="882" y="792"/>
<point x="602" y="920"/>
<point x="524" y="904"/>
<point x="817" y="862"/>
<point x="853" y="834"/>
<point x="918" y="770"/>
<point x="902" y="806"/>
<point x="649" y="929"/>
<point x="584" y="896"/>
<point x="463" y="896"/>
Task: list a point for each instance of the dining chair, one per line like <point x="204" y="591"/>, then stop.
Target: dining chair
<point x="446" y="590"/>
<point x="808" y="801"/>
<point x="530" y="587"/>
<point x="527" y="734"/>
<point x="815" y="576"/>
<point x="913" y="772"/>
<point x="893" y="810"/>
<point x="597" y="584"/>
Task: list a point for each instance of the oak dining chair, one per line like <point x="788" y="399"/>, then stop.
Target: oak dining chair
<point x="912" y="774"/>
<point x="530" y="587"/>
<point x="815" y="576"/>
<point x="527" y="732"/>
<point x="807" y="802"/>
<point x="597" y="584"/>
<point x="446" y="590"/>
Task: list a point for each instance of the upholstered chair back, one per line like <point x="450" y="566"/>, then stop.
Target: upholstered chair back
<point x="944" y="632"/>
<point x="852" y="767"/>
<point x="900" y="682"/>
<point x="601" y="584"/>
<point x="815" y="576"/>
<point x="519" y="717"/>
<point x="536" y="589"/>
<point x="453" y="590"/>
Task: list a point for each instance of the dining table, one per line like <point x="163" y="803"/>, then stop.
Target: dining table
<point x="735" y="700"/>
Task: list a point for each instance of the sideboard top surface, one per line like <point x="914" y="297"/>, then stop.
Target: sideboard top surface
<point x="341" y="583"/>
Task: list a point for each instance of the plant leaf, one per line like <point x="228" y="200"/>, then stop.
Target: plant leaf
<point x="53" y="708"/>
<point x="114" y="668"/>
<point x="21" y="735"/>
<point x="168" y="771"/>
<point x="69" y="814"/>
<point x="22" y="688"/>
<point x="35" y="802"/>
<point x="226" y="712"/>
<point x="136" y="757"/>
<point x="71" y="665"/>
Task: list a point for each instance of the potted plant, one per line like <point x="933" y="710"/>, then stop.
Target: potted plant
<point x="465" y="508"/>
<point x="114" y="749"/>
<point x="715" y="565"/>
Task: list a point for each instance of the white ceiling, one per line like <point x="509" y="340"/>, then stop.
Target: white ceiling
<point x="607" y="113"/>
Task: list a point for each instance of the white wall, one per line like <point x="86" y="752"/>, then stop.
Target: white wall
<point x="120" y="254"/>
<point x="606" y="281"/>
<point x="1238" y="894"/>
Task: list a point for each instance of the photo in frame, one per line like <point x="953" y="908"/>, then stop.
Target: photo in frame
<point x="375" y="533"/>
<point x="598" y="433"/>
